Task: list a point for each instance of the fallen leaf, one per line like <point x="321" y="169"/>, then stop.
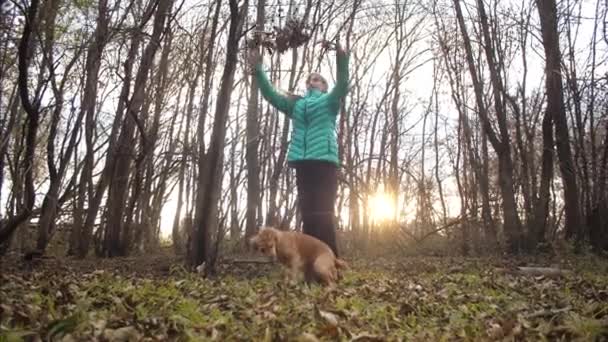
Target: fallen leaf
<point x="68" y="338"/>
<point x="365" y="337"/>
<point x="495" y="331"/>
<point x="122" y="334"/>
<point x="99" y="326"/>
<point x="267" y="335"/>
<point x="307" y="337"/>
<point x="329" y="317"/>
<point x="5" y="310"/>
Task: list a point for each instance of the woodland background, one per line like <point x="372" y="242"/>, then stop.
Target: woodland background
<point x="479" y="124"/>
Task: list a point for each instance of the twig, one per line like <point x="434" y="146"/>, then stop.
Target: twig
<point x="247" y="261"/>
<point x="433" y="232"/>
<point x="536" y="271"/>
<point x="548" y="313"/>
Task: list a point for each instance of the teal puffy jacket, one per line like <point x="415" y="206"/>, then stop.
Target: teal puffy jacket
<point x="313" y="116"/>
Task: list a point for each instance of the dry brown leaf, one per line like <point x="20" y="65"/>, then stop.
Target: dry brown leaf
<point x="122" y="334"/>
<point x="365" y="337"/>
<point x="329" y="318"/>
<point x="307" y="337"/>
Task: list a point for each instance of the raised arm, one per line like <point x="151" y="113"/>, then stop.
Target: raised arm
<point x="281" y="102"/>
<point x="341" y="88"/>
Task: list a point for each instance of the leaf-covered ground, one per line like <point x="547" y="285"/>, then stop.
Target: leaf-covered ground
<point x="412" y="299"/>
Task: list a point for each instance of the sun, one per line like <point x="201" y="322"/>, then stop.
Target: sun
<point x="381" y="207"/>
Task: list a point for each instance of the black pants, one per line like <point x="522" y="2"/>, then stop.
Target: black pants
<point x="317" y="183"/>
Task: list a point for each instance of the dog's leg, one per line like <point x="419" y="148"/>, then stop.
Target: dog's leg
<point x="286" y="275"/>
<point x="291" y="275"/>
<point x="325" y="270"/>
<point x="310" y="275"/>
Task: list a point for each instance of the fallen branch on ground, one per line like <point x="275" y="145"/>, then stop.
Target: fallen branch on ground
<point x="548" y="313"/>
<point x="536" y="271"/>
<point x="247" y="261"/>
<point x="434" y="231"/>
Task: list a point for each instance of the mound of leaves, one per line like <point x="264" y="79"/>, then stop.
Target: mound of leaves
<point x="416" y="299"/>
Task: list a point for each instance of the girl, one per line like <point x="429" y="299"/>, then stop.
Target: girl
<point x="313" y="150"/>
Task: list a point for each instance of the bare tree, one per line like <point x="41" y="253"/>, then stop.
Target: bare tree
<point x="81" y="235"/>
<point x="500" y="143"/>
<point x="547" y="11"/>
<point x="210" y="163"/>
<point x="57" y="173"/>
<point x="253" y="138"/>
<point x="117" y="189"/>
<point x="32" y="109"/>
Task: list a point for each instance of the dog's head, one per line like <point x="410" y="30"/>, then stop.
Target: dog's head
<point x="265" y="241"/>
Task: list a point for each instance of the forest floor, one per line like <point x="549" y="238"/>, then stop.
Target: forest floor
<point x="152" y="298"/>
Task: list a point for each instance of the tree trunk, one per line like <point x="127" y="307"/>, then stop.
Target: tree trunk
<point x="542" y="202"/>
<point x="175" y="232"/>
<point x="512" y="223"/>
<point x="149" y="221"/>
<point x="8" y="123"/>
<point x="50" y="203"/>
<point x="234" y="186"/>
<point x="435" y="95"/>
<point x="117" y="191"/>
<point x="209" y="67"/>
<point x="206" y="55"/>
<point x="210" y="164"/>
<point x="93" y="64"/>
<point x="32" y="110"/>
<point x="598" y="222"/>
<point x="253" y="141"/>
<point x="555" y="105"/>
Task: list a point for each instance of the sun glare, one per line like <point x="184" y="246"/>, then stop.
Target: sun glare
<point x="381" y="207"/>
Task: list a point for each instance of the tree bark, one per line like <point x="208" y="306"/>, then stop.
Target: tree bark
<point x="32" y="110"/>
<point x="547" y="11"/>
<point x="542" y="202"/>
<point x="512" y="222"/>
<point x="50" y="204"/>
<point x="81" y="231"/>
<point x="210" y="164"/>
<point x="117" y="190"/>
<point x="253" y="141"/>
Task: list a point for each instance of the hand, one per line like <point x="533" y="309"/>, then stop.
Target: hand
<point x="326" y="44"/>
<point x="340" y="50"/>
<point x="254" y="57"/>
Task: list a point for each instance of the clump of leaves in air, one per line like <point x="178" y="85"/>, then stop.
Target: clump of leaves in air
<point x="295" y="33"/>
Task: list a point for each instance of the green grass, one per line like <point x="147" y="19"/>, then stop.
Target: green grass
<point x="388" y="300"/>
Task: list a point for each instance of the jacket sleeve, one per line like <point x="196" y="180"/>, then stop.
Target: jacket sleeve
<point x="281" y="102"/>
<point x="341" y="88"/>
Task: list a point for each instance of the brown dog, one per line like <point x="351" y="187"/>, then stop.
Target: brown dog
<point x="299" y="254"/>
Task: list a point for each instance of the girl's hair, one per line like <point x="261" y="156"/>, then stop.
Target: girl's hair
<point x="312" y="74"/>
<point x="294" y="97"/>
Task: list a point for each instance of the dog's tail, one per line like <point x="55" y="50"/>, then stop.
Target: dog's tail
<point x="341" y="264"/>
